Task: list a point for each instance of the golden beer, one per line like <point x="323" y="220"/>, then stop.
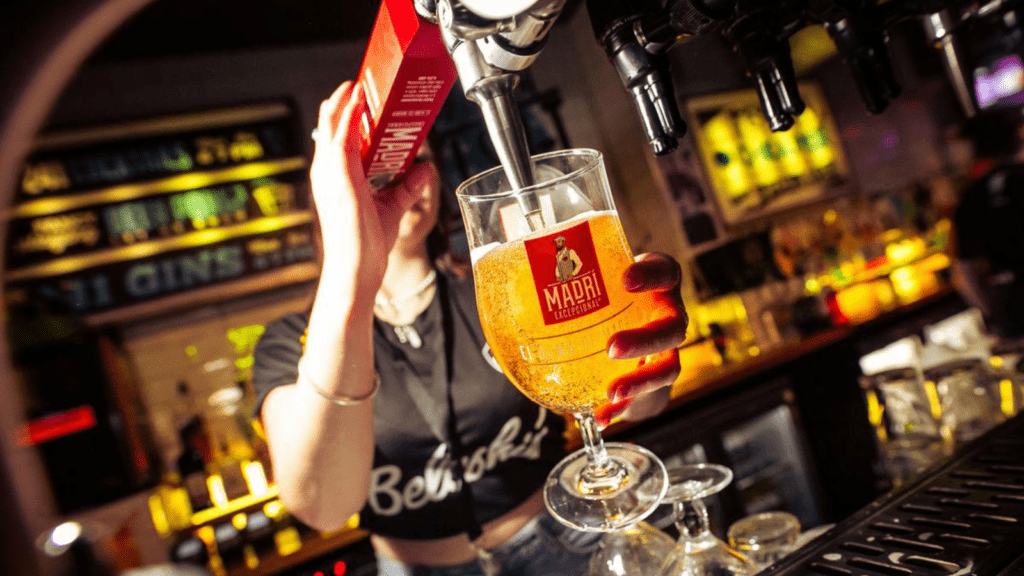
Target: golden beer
<point x="561" y="364"/>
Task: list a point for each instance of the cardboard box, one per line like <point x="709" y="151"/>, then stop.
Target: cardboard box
<point x="406" y="75"/>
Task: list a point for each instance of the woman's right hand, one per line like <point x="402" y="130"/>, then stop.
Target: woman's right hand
<point x="358" y="224"/>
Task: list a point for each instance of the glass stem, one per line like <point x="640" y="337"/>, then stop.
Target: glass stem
<point x="601" y="472"/>
<point x="691" y="519"/>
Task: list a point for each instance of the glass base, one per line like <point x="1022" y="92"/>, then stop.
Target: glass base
<point x="621" y="500"/>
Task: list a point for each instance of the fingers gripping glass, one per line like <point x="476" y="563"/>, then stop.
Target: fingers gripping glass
<point x="547" y="264"/>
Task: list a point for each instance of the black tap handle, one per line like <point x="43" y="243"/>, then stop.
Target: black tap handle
<point x="769" y="65"/>
<point x="865" y="49"/>
<point x="644" y="73"/>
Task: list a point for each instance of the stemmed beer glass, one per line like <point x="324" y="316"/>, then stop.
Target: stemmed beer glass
<point x="547" y="264"/>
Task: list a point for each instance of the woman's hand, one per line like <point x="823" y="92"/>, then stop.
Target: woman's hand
<point x="644" y="391"/>
<point x="358" y="225"/>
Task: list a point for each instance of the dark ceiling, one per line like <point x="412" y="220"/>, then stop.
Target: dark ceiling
<point x="180" y="27"/>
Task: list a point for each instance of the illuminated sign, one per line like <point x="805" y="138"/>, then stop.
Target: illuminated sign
<point x="105" y="285"/>
<point x="1002" y="83"/>
<point x="753" y="171"/>
<point x="115" y="215"/>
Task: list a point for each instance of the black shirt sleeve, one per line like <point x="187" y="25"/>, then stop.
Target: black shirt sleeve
<point x="276" y="356"/>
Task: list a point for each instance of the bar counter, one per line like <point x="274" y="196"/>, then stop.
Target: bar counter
<point x="965" y="516"/>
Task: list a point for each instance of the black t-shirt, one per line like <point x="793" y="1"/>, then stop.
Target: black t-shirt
<point x="989" y="225"/>
<point x="509" y="443"/>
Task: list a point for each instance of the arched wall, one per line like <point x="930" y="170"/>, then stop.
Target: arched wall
<point x="52" y="39"/>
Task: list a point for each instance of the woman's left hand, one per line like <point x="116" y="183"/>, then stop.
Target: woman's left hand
<point x="644" y="391"/>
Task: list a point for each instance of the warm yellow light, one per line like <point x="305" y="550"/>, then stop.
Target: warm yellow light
<point x="255" y="478"/>
<point x="723" y="157"/>
<point x="239" y="521"/>
<point x="789" y="156"/>
<point x="218" y="495"/>
<point x="170" y="184"/>
<point x="859" y="302"/>
<point x="207" y="535"/>
<point x="1007" y="398"/>
<point x="158" y="515"/>
<point x="812" y="286"/>
<point x="273" y="509"/>
<point x="754" y="132"/>
<point x="934" y="263"/>
<point x="995" y="361"/>
<point x="78" y="262"/>
<point x="695" y="360"/>
<point x="904" y="251"/>
<point x="891" y="235"/>
<point x="875" y="410"/>
<point x="934" y="403"/>
<point x="885" y="294"/>
<point x="252" y="559"/>
<point x="815" y="140"/>
<point x="288" y="541"/>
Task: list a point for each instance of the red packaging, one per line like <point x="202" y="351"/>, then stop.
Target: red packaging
<point x="406" y="75"/>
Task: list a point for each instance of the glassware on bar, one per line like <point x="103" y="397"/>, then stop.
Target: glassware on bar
<point x="699" y="552"/>
<point x="766" y="537"/>
<point x="638" y="550"/>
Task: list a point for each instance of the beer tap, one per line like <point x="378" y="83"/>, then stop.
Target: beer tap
<point x="858" y="29"/>
<point x="635" y="36"/>
<point x="490" y="43"/>
<point x="760" y="36"/>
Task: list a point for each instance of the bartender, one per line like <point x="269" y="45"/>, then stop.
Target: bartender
<point x="364" y="414"/>
<point x="988" y="224"/>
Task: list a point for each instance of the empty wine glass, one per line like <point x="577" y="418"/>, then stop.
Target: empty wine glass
<point x="699" y="552"/>
<point x="637" y="550"/>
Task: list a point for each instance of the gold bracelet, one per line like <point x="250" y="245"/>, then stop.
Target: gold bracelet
<point x="339" y="400"/>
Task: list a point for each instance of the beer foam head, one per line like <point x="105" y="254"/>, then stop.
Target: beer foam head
<point x="479" y="252"/>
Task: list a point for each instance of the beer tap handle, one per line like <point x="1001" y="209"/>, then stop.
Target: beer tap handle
<point x="858" y="28"/>
<point x="866" y="52"/>
<point x="769" y="65"/>
<point x="641" y="63"/>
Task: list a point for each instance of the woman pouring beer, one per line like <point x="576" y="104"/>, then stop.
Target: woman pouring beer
<point x="384" y="399"/>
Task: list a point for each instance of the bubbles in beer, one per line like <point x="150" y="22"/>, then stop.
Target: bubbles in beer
<point x="562" y="366"/>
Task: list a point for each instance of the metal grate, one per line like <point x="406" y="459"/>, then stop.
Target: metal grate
<point x="964" y="518"/>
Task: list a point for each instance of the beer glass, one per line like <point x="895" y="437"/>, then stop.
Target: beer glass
<point x="547" y="265"/>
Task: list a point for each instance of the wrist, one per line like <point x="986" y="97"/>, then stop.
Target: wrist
<point x="349" y="284"/>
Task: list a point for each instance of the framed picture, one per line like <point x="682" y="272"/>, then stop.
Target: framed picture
<point x="754" y="172"/>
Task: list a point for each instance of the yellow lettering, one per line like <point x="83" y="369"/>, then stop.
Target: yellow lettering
<point x="43" y="177"/>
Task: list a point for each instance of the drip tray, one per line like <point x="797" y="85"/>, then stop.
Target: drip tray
<point x="963" y="518"/>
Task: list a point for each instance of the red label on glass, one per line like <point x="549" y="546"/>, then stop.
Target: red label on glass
<point x="566" y="275"/>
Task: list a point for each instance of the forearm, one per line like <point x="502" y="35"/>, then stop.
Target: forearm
<point x="322" y="452"/>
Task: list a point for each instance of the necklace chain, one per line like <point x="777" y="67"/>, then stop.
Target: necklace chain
<point x="399" y="303"/>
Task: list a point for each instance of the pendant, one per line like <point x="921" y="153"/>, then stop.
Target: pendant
<point x="408" y="335"/>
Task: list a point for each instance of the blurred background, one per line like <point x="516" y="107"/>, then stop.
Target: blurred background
<point x="156" y="216"/>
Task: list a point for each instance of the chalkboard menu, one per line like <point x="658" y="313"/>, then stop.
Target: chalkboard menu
<point x="111" y="216"/>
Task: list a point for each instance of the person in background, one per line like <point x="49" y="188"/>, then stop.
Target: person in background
<point x="988" y="224"/>
<point x="384" y="399"/>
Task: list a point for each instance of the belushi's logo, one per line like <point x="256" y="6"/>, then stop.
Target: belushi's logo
<point x="565" y="272"/>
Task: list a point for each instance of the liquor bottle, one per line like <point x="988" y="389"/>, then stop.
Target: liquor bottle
<point x="196" y="453"/>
